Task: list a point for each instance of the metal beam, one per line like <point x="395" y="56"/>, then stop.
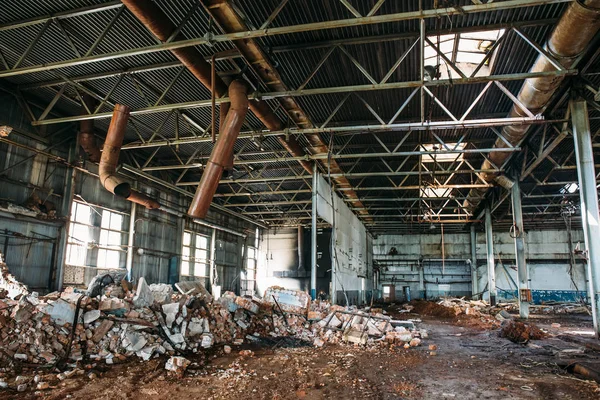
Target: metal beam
<point x="590" y="216"/>
<point x="518" y="234"/>
<point x="310" y="27"/>
<point x="332" y="44"/>
<point x="61" y="15"/>
<point x="331" y="90"/>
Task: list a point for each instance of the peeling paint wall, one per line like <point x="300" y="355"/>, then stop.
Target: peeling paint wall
<point x="546" y="253"/>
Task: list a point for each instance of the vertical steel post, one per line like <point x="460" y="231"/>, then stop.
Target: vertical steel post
<point x="213" y="255"/>
<point x="589" y="202"/>
<point x="522" y="272"/>
<point x="130" y="240"/>
<point x="491" y="268"/>
<point x="66" y="207"/>
<point x="474" y="285"/>
<point x="313" y="237"/>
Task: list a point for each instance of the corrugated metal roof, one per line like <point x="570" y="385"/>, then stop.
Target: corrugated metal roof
<point x="513" y="56"/>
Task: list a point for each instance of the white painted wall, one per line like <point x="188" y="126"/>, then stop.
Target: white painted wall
<point x="546" y="253"/>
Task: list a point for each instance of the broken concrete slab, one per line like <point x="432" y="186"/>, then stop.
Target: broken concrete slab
<point x="194" y="288"/>
<point x="91" y="316"/>
<point x="291" y="301"/>
<point x="143" y="295"/>
<point x="162" y="292"/>
<point x="170" y="310"/>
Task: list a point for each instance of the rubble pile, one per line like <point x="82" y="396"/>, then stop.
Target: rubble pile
<point x="9" y="285"/>
<point x="467" y="307"/>
<point x="519" y="332"/>
<point x="113" y="321"/>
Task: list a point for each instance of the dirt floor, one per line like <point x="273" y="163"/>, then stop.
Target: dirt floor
<point x="470" y="362"/>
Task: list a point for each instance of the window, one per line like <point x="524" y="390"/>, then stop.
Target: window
<point x="79" y="234"/>
<point x="465" y="50"/>
<point x="109" y="245"/>
<point x="441" y="152"/>
<point x="248" y="277"/>
<point x="194" y="255"/>
<point x="84" y="236"/>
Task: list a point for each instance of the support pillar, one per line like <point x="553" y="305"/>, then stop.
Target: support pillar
<point x="491" y="267"/>
<point x="422" y="293"/>
<point x="518" y="233"/>
<point x="66" y="208"/>
<point x="589" y="202"/>
<point x="313" y="238"/>
<point x="474" y="285"/>
<point x="130" y="240"/>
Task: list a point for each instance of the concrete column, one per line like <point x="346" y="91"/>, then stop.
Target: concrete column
<point x="313" y="238"/>
<point x="589" y="202"/>
<point x="130" y="240"/>
<point x="65" y="210"/>
<point x="474" y="285"/>
<point x="522" y="272"/>
<point x="491" y="268"/>
<point x="421" y="281"/>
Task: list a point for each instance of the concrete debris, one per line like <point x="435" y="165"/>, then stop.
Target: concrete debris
<point x="144" y="297"/>
<point x="520" y="332"/>
<point x="112" y="327"/>
<point x="161" y="292"/>
<point x="10" y="287"/>
<point x="178" y="365"/>
<point x="291" y="301"/>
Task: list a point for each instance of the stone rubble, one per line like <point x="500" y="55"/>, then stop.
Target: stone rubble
<point x="122" y="322"/>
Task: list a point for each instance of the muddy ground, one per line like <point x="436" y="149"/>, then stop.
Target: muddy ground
<point x="470" y="362"/>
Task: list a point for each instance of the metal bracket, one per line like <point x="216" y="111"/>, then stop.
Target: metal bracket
<point x="210" y="38"/>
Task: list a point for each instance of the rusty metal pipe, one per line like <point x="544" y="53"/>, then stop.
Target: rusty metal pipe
<point x="155" y="20"/>
<point x="110" y="159"/>
<point x="87" y="140"/>
<point x="570" y="37"/>
<point x="223" y="150"/>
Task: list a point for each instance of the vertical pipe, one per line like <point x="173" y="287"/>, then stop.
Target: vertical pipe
<point x="313" y="238"/>
<point x="589" y="202"/>
<point x="130" y="240"/>
<point x="212" y="99"/>
<point x="491" y="268"/>
<point x="213" y="254"/>
<point x="522" y="273"/>
<point x="422" y="65"/>
<point x="300" y="247"/>
<point x="474" y="285"/>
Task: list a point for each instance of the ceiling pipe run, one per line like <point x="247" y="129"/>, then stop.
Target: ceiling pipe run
<point x="86" y="138"/>
<point x="159" y="24"/>
<point x="222" y="151"/>
<point x="110" y="159"/>
<point x="570" y="38"/>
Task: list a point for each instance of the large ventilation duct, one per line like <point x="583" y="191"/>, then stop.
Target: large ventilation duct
<point x="571" y="36"/>
<point x="87" y="140"/>
<point x="222" y="151"/>
<point x="110" y="159"/>
<point x="157" y="22"/>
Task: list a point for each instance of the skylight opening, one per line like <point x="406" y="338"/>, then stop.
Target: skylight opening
<point x="569" y="188"/>
<point x="429" y="192"/>
<point x="465" y="50"/>
<point x="441" y="154"/>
